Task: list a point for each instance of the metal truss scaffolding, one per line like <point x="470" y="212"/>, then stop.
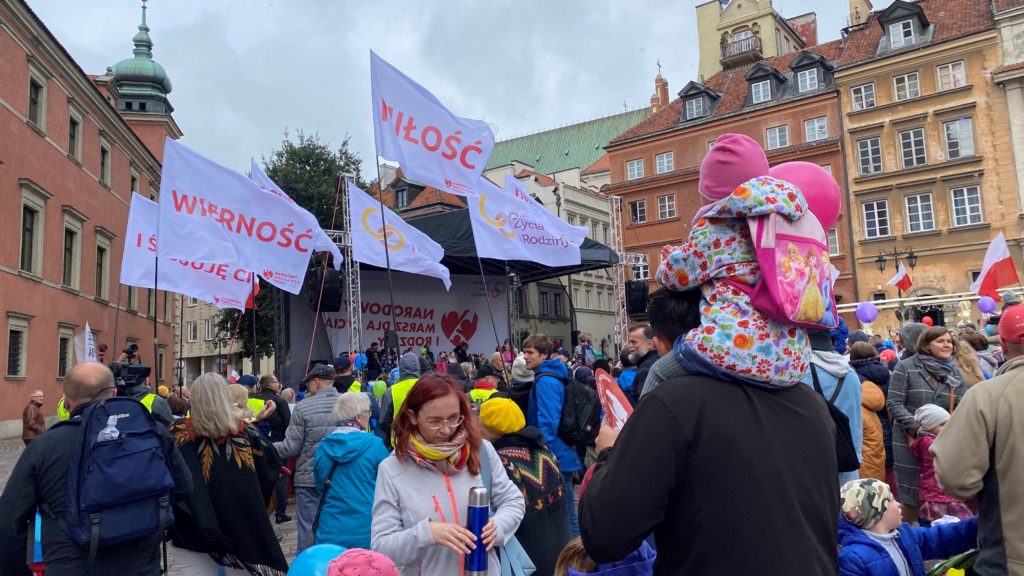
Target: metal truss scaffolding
<point x="623" y="270"/>
<point x="349" y="270"/>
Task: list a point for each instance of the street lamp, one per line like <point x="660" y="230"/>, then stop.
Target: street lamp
<point x="896" y="255"/>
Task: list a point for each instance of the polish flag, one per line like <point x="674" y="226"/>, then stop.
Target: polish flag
<point x="250" y="304"/>
<point x="998" y="269"/>
<point x="233" y="378"/>
<point x="901" y="280"/>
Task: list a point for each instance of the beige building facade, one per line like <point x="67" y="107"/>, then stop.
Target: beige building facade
<point x="736" y="32"/>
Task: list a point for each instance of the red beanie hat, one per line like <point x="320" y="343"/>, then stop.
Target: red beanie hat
<point x="732" y="160"/>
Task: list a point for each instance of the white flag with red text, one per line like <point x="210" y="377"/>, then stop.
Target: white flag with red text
<point x="510" y="225"/>
<point x="222" y="285"/>
<point x="408" y="249"/>
<point x="997" y="270"/>
<point x="212" y="214"/>
<point x="432" y="145"/>
<point x="321" y="242"/>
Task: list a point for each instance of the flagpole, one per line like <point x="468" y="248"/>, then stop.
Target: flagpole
<point x="117" y="314"/>
<point x="387" y="253"/>
<point x="487" y="299"/>
<point x="156" y="346"/>
<point x="317" y="322"/>
<point x="255" y="355"/>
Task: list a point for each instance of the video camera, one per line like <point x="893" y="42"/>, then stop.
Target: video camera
<point x="128" y="375"/>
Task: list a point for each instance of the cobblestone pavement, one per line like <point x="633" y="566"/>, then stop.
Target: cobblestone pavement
<point x="10" y="450"/>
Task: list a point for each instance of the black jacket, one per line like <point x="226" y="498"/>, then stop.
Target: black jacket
<point x="731" y="479"/>
<point x="642" y="368"/>
<point x="280" y="418"/>
<point x="40" y="478"/>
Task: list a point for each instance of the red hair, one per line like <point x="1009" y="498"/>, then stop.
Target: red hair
<point x="426" y="389"/>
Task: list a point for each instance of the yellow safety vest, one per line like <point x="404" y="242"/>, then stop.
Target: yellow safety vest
<point x="478" y="395"/>
<point x="147" y="401"/>
<point x="254" y="404"/>
<point x="62" y="410"/>
<point x="399" y="392"/>
<point x="355" y="387"/>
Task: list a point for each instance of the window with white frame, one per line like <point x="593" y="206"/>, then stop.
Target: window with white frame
<point x="74" y="134"/>
<point x="167" y="306"/>
<point x="604" y="231"/>
<point x="161" y="357"/>
<point x="901" y="34"/>
<point x="959" y="138"/>
<point x="663" y="163"/>
<point x="761" y="91"/>
<point x="641" y="272"/>
<point x="571" y="219"/>
<point x="920" y="216"/>
<point x="401" y="198"/>
<point x="966" y="206"/>
<point x="576" y="297"/>
<point x="586" y="299"/>
<point x="876" y="219"/>
<point x="666" y="206"/>
<point x="816" y="129"/>
<point x="807" y="80"/>
<point x="210" y="333"/>
<point x="37" y="97"/>
<point x="192" y="301"/>
<point x="556" y="301"/>
<point x="827" y="168"/>
<point x="833" y="242"/>
<point x="65" y="338"/>
<point x="544" y="303"/>
<point x="33" y="210"/>
<point x="778" y="137"/>
<point x="952" y="75"/>
<point x="635" y="169"/>
<point x="102" y="276"/>
<point x="72" y="253"/>
<point x="912" y="148"/>
<point x="17" y="345"/>
<point x="869" y="155"/>
<point x="863" y="96"/>
<point x="131" y="301"/>
<point x="907" y="86"/>
<point x="638" y="212"/>
<point x="694" y="108"/>
<point x="134" y="182"/>
<point x="600" y="301"/>
<point x="104" y="174"/>
<point x="192" y="330"/>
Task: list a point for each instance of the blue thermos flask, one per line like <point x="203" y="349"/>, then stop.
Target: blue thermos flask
<point x="478" y="514"/>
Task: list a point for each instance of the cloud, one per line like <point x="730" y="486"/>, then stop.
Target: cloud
<point x="243" y="72"/>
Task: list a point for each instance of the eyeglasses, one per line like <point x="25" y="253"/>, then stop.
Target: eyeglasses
<point x="437" y="424"/>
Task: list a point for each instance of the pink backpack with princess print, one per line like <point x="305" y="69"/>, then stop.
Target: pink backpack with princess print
<point x="796" y="276"/>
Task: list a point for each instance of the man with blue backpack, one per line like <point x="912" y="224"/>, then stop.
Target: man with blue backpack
<point x="103" y="482"/>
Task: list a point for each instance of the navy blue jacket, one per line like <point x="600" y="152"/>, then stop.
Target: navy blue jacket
<point x="861" y="556"/>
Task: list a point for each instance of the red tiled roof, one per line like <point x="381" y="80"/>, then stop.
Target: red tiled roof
<point x="949" y="18"/>
<point x="539" y="178"/>
<point x="602" y="165"/>
<point x="1010" y="67"/>
<point x="431" y="195"/>
<point x="1006" y="5"/>
<point x="731" y="85"/>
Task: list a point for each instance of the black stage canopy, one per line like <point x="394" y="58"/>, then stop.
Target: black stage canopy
<point x="452" y="230"/>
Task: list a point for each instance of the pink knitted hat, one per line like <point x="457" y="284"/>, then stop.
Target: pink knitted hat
<point x="359" y="562"/>
<point x="732" y="160"/>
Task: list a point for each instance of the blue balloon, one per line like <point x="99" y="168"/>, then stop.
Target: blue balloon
<point x="360" y="362"/>
<point x="314" y="560"/>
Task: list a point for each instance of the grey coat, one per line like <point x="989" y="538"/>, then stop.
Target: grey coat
<point x="311" y="421"/>
<point x="910" y="388"/>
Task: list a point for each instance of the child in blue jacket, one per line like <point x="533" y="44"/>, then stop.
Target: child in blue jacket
<point x="875" y="542"/>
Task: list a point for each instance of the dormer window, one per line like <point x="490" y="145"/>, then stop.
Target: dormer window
<point x="901" y="33"/>
<point x="694" y="108"/>
<point x="761" y="91"/>
<point x="401" y="198"/>
<point x="807" y="80"/>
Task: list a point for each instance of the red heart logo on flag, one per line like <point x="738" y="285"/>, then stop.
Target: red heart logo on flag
<point x="459" y="328"/>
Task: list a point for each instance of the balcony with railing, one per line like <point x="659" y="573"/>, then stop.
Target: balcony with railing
<point x="741" y="51"/>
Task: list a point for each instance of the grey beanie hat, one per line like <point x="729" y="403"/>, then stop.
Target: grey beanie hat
<point x="931" y="416"/>
<point x="520" y="373"/>
<point x="909" y="334"/>
<point x="408" y="366"/>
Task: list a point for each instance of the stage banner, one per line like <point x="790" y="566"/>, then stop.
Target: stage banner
<point x="321" y="241"/>
<point x="409" y="250"/>
<point x="432" y="145"/>
<point x="212" y="214"/>
<point x="222" y="285"/>
<point x="426" y="315"/>
<point x="510" y="225"/>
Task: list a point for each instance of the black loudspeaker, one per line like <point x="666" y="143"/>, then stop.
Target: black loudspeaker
<point x="574" y="339"/>
<point x="330" y="279"/>
<point x="390" y="339"/>
<point x="636" y="297"/>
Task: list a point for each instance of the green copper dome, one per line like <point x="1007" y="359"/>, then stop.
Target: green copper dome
<point x="141" y="76"/>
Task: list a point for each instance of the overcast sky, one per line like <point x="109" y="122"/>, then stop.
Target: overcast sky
<point x="243" y="71"/>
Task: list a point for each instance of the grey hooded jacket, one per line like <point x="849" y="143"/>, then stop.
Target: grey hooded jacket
<point x="312" y="420"/>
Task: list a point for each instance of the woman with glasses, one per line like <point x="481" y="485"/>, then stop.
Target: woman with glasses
<point x="345" y="471"/>
<point x="419" y="508"/>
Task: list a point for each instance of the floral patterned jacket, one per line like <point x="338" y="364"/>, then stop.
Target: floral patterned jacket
<point x="719" y="258"/>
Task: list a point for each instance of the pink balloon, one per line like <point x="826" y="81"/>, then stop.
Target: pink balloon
<point x="824" y="199"/>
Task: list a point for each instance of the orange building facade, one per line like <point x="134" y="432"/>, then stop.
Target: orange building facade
<point x="68" y="164"/>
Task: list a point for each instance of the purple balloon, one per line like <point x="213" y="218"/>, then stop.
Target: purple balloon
<point x="866" y="312"/>
<point x="986" y="304"/>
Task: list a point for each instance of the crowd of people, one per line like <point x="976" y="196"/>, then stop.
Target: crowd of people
<point x="755" y="445"/>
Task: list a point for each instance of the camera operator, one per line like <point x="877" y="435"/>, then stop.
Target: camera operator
<point x="142" y="391"/>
